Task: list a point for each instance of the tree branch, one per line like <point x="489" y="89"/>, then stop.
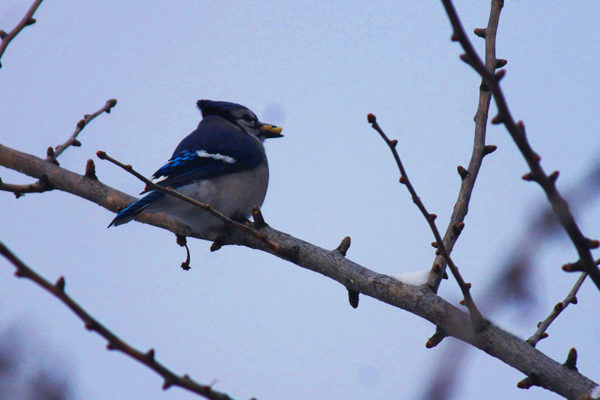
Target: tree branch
<point x="477" y="320"/>
<point x="42" y="184"/>
<point x="417" y="300"/>
<point x="114" y="342"/>
<point x="25" y="21"/>
<point x="571" y="298"/>
<point x="480" y="150"/>
<point x="517" y="132"/>
<point x="81" y="124"/>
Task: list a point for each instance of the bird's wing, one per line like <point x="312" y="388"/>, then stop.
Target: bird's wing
<point x="214" y="148"/>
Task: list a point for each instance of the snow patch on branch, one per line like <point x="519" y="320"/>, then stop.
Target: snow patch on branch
<point x="414" y="278"/>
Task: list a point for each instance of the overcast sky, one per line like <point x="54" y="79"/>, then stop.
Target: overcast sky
<point x="257" y="325"/>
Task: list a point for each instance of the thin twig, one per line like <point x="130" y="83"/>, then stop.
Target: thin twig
<point x="42" y="185"/>
<point x="571" y="298"/>
<point x="517" y="132"/>
<point x="25" y="21"/>
<point x="114" y="342"/>
<point x="477" y="320"/>
<point x="206" y="207"/>
<point x="81" y="124"/>
<point x="480" y="150"/>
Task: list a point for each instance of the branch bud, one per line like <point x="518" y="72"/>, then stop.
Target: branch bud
<point x="500" y="74"/>
<point x="497" y="120"/>
<point x="531" y="380"/>
<point x="571" y="361"/>
<point x="593" y="243"/>
<point x="60" y="284"/>
<point x="458" y="227"/>
<point x="344" y="246"/>
<point x="90" y="170"/>
<point x="150" y="355"/>
<point x="501" y="62"/>
<point x="528" y="177"/>
<point x="464" y="174"/>
<point x="489" y="149"/>
<point x="353" y="298"/>
<point x="573" y="267"/>
<point x="480" y="32"/>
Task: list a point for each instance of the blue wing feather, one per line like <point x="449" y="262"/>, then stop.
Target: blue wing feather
<point x="225" y="147"/>
<point x="130" y="212"/>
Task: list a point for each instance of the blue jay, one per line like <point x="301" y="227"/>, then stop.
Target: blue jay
<point x="221" y="163"/>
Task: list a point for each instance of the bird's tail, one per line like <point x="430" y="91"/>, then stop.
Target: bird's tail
<point x="132" y="210"/>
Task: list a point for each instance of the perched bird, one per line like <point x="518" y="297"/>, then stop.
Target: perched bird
<point x="221" y="163"/>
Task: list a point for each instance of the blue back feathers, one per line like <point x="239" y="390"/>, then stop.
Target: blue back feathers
<point x="216" y="147"/>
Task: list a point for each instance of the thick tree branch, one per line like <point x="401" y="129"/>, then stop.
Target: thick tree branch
<point x="582" y="244"/>
<point x="114" y="342"/>
<point x="480" y="150"/>
<point x="417" y="300"/>
<point x="25" y="21"/>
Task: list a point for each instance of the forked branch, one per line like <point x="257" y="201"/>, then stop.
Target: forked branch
<point x="477" y="320"/>
<point x="480" y="149"/>
<point x="582" y="244"/>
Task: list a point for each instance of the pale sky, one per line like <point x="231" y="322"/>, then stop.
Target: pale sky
<point x="257" y="325"/>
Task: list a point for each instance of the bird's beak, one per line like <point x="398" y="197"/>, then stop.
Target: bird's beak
<point x="271" y="131"/>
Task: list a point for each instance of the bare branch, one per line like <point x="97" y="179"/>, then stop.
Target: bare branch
<point x="42" y="185"/>
<point x="477" y="320"/>
<point x="114" y="342"/>
<point x="571" y="298"/>
<point x="417" y="300"/>
<point x="480" y="149"/>
<point x="81" y="124"/>
<point x="516" y="130"/>
<point x="25" y="21"/>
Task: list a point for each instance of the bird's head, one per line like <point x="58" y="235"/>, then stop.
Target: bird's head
<point x="241" y="116"/>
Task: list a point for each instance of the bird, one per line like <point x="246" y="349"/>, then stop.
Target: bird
<point x="222" y="163"/>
